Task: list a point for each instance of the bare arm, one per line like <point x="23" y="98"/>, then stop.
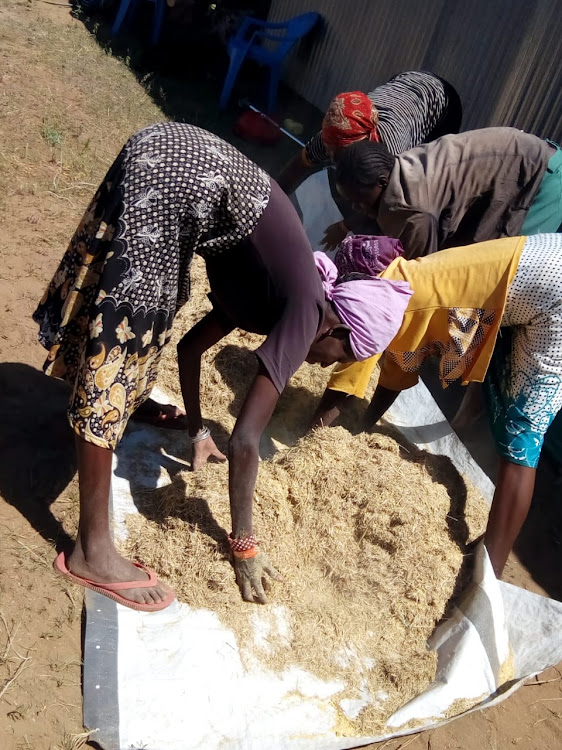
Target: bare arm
<point x="207" y="332"/>
<point x="295" y="172"/>
<point x="243" y="450"/>
<point x="332" y="403"/>
<point x="383" y="398"/>
<point x="329" y="408"/>
<point x="243" y="469"/>
<point x="350" y="379"/>
<point x="512" y="499"/>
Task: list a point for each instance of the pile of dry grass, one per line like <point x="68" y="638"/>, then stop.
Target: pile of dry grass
<point x="369" y="540"/>
<point x="227" y="371"/>
<point x="369" y="537"/>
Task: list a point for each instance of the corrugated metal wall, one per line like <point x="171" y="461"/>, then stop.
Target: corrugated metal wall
<point x="503" y="56"/>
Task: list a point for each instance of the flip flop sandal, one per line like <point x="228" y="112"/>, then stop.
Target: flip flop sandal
<point x="111" y="589"/>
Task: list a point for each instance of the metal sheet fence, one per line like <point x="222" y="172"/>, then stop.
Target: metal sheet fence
<point x="503" y="56"/>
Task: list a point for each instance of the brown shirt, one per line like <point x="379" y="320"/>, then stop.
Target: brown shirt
<point x="461" y="189"/>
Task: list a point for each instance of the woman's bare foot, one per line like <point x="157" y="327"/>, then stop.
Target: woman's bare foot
<point x="161" y="415"/>
<point x="109" y="567"/>
<point x="94" y="556"/>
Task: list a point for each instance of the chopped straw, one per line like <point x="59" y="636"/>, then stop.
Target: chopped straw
<point x="227" y="370"/>
<point x="370" y="540"/>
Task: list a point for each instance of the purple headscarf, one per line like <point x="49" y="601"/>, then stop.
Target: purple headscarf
<point x="361" y="253"/>
<point x="372" y="308"/>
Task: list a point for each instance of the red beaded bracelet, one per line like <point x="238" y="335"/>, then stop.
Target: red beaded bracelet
<point x="247" y="554"/>
<point x="242" y="544"/>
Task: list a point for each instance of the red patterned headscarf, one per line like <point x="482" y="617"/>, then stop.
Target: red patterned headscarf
<point x="350" y="117"/>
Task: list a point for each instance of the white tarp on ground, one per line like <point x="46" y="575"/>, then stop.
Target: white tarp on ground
<point x="174" y="680"/>
<point x="316" y="207"/>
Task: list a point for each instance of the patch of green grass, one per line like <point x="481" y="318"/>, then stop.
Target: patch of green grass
<point x="52" y="134"/>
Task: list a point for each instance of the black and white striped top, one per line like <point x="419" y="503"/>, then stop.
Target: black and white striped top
<point x="410" y="105"/>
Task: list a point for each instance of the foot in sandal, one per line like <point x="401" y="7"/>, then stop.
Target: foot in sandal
<point x="129" y="584"/>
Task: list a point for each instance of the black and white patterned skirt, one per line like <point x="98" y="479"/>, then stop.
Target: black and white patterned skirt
<point x="174" y="190"/>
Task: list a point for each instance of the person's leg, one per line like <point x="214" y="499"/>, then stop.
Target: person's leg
<point x="94" y="555"/>
<point x="512" y="499"/>
<point x="471" y="407"/>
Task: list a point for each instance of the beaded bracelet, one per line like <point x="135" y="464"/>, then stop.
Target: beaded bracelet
<point x="247" y="554"/>
<point x="203" y="434"/>
<point x="242" y="544"/>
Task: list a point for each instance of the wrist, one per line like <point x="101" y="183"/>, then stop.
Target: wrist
<point x="305" y="161"/>
<point x="202" y="433"/>
<point x="343" y="226"/>
<point x="327" y="417"/>
<point x="243" y="547"/>
<point x="248" y="554"/>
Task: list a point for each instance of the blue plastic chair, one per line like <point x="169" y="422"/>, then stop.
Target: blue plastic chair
<point x="247" y="43"/>
<point x="126" y="10"/>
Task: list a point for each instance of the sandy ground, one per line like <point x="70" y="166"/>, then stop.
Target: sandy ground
<point x="59" y="130"/>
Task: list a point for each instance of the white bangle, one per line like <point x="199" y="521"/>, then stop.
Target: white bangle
<point x="203" y="434"/>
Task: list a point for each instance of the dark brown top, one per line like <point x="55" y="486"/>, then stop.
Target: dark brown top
<point x="269" y="285"/>
<point x="461" y="189"/>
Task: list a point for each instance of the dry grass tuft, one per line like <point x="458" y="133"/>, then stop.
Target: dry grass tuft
<point x="368" y="537"/>
<point x="227" y="371"/>
<point x="76" y="741"/>
<point x="368" y="540"/>
<point x="9" y="656"/>
<point x="61" y="133"/>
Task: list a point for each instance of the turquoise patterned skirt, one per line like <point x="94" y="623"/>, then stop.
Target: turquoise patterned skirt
<point x="523" y="385"/>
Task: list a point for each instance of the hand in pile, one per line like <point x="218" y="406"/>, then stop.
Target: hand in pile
<point x="202" y="451"/>
<point x="250" y="574"/>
